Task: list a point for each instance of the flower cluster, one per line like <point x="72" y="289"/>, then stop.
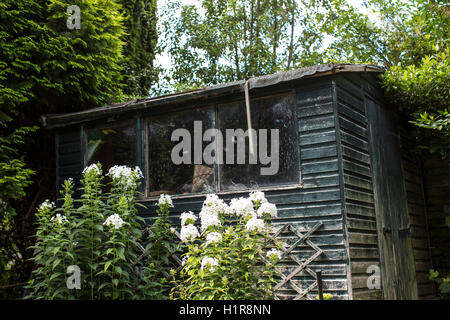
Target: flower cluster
<point x="47" y="205"/>
<point x="114" y="221"/>
<point x="165" y="199"/>
<point x="187" y="218"/>
<point x="125" y="176"/>
<point x="209" y="263"/>
<point x="92" y="168"/>
<point x="274" y="253"/>
<point x="59" y="218"/>
<point x="209" y="220"/>
<point x="258" y="197"/>
<point x="213" y="237"/>
<point x="212" y="203"/>
<point x="188" y="233"/>
<point x="255" y="224"/>
<point x="242" y="207"/>
<point x="267" y="209"/>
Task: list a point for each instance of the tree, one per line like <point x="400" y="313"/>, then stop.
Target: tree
<point x="410" y="38"/>
<point x="140" y="45"/>
<point x="220" y="41"/>
<point x="47" y="68"/>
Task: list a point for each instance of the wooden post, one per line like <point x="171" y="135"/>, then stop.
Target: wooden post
<point x="249" y="119"/>
<point x="319" y="284"/>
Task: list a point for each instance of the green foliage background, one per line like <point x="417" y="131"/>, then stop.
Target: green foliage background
<point x="47" y="68"/>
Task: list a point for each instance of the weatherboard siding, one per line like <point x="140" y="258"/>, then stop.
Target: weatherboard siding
<point x="360" y="216"/>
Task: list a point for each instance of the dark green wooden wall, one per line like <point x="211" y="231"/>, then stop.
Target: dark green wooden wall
<point x="437" y="192"/>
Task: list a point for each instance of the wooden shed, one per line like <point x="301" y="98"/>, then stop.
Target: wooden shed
<point x="348" y="184"/>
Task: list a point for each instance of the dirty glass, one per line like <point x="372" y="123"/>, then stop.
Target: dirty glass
<point x="270" y="113"/>
<point x="166" y="173"/>
<point x="112" y="145"/>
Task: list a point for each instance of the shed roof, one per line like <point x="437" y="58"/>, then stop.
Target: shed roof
<point x="61" y="120"/>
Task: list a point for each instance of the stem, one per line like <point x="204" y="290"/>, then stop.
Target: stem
<point x="114" y="262"/>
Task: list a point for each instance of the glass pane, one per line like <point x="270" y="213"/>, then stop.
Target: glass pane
<point x="113" y="145"/>
<point x="281" y="162"/>
<point x="169" y="175"/>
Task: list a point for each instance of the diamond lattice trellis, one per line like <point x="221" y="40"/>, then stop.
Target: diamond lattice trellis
<point x="178" y="264"/>
<point x="287" y="279"/>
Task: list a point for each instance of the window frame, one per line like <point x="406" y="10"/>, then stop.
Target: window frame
<point x="142" y="145"/>
<point x="217" y="168"/>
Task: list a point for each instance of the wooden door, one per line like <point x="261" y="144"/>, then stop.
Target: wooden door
<point x="394" y="242"/>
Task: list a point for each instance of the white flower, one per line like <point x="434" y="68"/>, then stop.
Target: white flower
<point x="125" y="176"/>
<point x="275" y="252"/>
<point x="214" y="204"/>
<point x="189" y="232"/>
<point x="137" y="171"/>
<point x="213" y="237"/>
<point x="267" y="208"/>
<point x="210" y="263"/>
<point x="47" y="204"/>
<point x="173" y="230"/>
<point x="114" y="220"/>
<point x="165" y="199"/>
<point x="255" y="224"/>
<point x="59" y="218"/>
<point x="258" y="196"/>
<point x="184" y="260"/>
<point x="242" y="207"/>
<point x="93" y="167"/>
<point x="188" y="217"/>
<point x="208" y="220"/>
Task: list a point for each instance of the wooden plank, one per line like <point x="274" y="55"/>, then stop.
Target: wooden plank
<point x="360" y="169"/>
<point x="354" y="154"/>
<point x="361" y="224"/>
<point x="314" y="109"/>
<point x="353" y="140"/>
<point x="362" y="238"/>
<point x="316" y="123"/>
<point x="353" y="127"/>
<point x="315" y="181"/>
<point x="318" y="166"/>
<point x="313" y="138"/>
<point x="367" y="295"/>
<point x="358" y="182"/>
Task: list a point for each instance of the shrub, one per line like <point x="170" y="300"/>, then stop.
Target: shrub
<point x="228" y="259"/>
<point x="99" y="233"/>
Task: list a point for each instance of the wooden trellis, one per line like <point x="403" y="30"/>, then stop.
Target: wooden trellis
<point x="144" y="253"/>
<point x="287" y="280"/>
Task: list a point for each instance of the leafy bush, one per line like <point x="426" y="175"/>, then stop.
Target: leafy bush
<point x="424" y="91"/>
<point x="99" y="233"/>
<point x="228" y="260"/>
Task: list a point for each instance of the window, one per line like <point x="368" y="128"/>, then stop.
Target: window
<point x="206" y="149"/>
<point x="167" y="174"/>
<point x="112" y="145"/>
<point x="275" y="148"/>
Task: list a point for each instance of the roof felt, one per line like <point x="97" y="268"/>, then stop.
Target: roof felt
<point x="61" y="120"/>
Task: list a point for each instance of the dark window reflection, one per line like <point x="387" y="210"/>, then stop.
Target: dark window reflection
<point x="275" y="112"/>
<point x="112" y="145"/>
<point x="164" y="175"/>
